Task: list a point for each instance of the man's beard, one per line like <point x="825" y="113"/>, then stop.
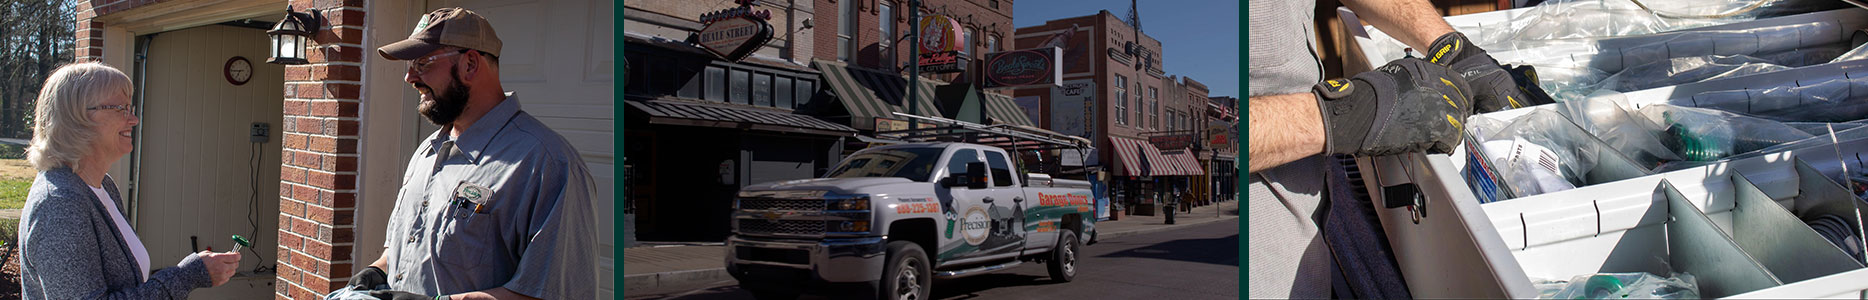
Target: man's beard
<point x="446" y="106"/>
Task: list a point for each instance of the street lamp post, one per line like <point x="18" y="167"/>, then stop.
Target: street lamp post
<point x="914" y="70"/>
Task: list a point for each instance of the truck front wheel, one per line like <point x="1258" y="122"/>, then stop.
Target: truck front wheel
<point x="908" y="274"/>
<point x="1063" y="264"/>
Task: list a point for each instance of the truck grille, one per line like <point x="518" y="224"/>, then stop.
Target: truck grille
<point x="781" y="204"/>
<point x="781" y="227"/>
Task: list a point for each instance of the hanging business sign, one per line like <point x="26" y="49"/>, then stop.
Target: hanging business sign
<point x="734" y="33"/>
<point x="941" y="51"/>
<point x="735" y="38"/>
<point x="1220" y="135"/>
<point x="1170" y="142"/>
<point x="1026" y="67"/>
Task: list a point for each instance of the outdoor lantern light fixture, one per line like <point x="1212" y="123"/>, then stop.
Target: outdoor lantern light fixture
<point x="291" y="34"/>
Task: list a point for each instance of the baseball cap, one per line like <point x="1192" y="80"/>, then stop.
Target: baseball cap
<point x="451" y="26"/>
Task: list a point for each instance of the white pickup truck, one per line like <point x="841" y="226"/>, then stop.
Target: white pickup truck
<point x="889" y="219"/>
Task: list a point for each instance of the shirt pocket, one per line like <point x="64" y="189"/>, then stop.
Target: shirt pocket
<point x="468" y="240"/>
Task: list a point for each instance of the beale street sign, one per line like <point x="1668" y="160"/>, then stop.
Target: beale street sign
<point x="1025" y="67"/>
<point x="734" y="33"/>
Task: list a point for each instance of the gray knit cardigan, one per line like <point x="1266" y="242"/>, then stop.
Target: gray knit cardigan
<point x="71" y="249"/>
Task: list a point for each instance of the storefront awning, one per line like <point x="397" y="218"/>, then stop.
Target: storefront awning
<point x="1001" y="110"/>
<point x="1184" y="164"/>
<point x="1139" y="158"/>
<point x="707" y="114"/>
<point x="869" y="94"/>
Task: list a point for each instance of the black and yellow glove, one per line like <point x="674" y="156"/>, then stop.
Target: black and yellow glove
<point x="1493" y="87"/>
<point x="369" y="278"/>
<point x="1409" y="105"/>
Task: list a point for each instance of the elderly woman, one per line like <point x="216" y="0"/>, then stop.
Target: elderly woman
<point x="74" y="243"/>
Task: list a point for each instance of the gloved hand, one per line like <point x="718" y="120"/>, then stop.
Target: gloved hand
<point x="400" y="295"/>
<point x="369" y="278"/>
<point x="1493" y="88"/>
<point x="1409" y="105"/>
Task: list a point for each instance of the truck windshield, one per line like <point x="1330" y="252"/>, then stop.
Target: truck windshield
<point x="911" y="163"/>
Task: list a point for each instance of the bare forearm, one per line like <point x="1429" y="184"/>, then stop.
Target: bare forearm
<point x="382" y="261"/>
<point x="1413" y="22"/>
<point x="1284" y="128"/>
<point x="491" y="294"/>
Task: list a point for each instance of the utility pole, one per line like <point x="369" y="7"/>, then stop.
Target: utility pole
<point x="914" y="69"/>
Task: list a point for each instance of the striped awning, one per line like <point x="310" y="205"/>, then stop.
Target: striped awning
<point x="1137" y="157"/>
<point x="1184" y="163"/>
<point x="869" y="94"/>
<point x="1002" y="110"/>
<point x="711" y="114"/>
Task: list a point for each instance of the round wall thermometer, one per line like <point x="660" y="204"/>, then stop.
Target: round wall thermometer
<point x="238" y="70"/>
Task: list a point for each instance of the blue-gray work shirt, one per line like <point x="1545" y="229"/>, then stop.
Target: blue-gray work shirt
<point x="510" y="206"/>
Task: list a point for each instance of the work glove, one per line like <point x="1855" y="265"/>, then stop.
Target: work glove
<point x="369" y="279"/>
<point x="401" y="295"/>
<point x="1409" y="105"/>
<point x="1493" y="87"/>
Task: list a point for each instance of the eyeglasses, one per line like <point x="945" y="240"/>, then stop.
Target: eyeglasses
<point x="420" y="65"/>
<point x="125" y="108"/>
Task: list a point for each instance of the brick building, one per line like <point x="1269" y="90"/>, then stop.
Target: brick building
<point x="314" y="194"/>
<point x="1114" y="93"/>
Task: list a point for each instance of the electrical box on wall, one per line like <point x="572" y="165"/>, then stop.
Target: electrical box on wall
<point x="260" y="131"/>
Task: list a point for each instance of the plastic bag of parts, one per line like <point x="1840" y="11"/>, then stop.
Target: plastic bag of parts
<point x="1630" y="135"/>
<point x="1639" y="285"/>
<point x="1592" y="19"/>
<point x="1539" y="152"/>
<point x="1820" y="138"/>
<point x="1685" y="70"/>
<point x="1828" y="101"/>
<point x="1481" y="176"/>
<point x="1577" y="82"/>
<point x="1698" y="134"/>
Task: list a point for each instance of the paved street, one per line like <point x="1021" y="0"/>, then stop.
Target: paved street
<point x="1195" y="262"/>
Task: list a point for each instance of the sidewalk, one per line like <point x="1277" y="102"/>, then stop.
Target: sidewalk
<point x="655" y="266"/>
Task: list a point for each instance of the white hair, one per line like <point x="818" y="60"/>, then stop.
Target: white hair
<point x="62" y="130"/>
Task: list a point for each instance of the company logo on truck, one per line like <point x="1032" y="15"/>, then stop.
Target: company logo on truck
<point x="976" y="225"/>
<point x="1064" y="199"/>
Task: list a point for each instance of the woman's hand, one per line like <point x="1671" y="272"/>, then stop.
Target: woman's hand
<point x="221" y="266"/>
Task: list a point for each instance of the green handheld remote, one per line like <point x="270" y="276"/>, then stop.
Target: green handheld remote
<point x="240" y="242"/>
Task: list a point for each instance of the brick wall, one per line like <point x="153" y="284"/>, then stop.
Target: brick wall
<point x="317" y="217"/>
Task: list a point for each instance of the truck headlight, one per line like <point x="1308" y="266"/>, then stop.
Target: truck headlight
<point x="859" y="203"/>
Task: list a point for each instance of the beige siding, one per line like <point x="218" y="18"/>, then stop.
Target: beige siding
<point x="197" y="169"/>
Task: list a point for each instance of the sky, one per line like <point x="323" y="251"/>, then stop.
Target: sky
<point x="1200" y="39"/>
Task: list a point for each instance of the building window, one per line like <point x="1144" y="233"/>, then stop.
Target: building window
<point x="992" y="44"/>
<point x="1141" y="109"/>
<point x="761" y="89"/>
<point x="846" y="29"/>
<point x="1154" y="114"/>
<point x="716" y="84"/>
<point x="1122" y="101"/>
<point x="967" y="46"/>
<point x="887" y="25"/>
<point x="995" y="4"/>
<point x="1154" y="93"/>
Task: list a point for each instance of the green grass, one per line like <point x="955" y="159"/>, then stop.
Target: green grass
<point x="13" y="193"/>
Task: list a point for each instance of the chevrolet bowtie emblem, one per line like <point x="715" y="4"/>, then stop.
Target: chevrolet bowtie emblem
<point x="772" y="216"/>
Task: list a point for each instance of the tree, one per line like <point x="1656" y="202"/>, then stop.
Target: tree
<point x="36" y="37"/>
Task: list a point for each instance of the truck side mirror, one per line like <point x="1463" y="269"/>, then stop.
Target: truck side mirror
<point x="976" y="175"/>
